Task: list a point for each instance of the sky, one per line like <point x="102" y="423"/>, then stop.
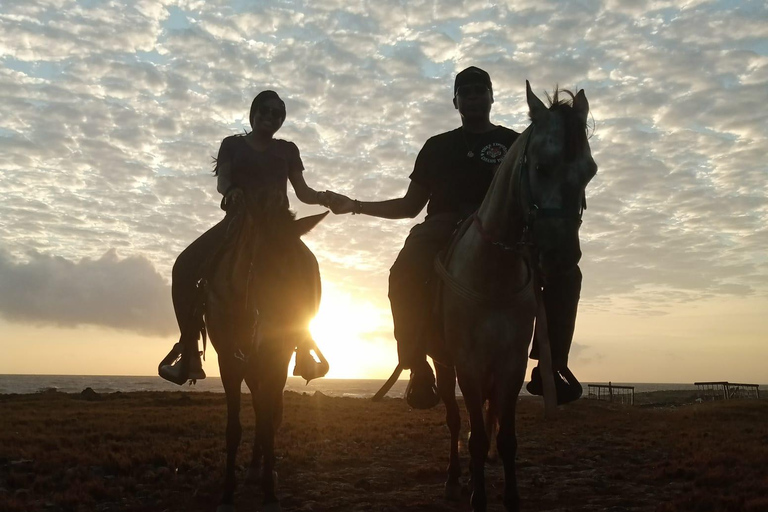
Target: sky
<point x="111" y="112"/>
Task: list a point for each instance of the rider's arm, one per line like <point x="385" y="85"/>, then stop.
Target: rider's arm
<point x="304" y="192"/>
<point x="407" y="206"/>
<point x="415" y="198"/>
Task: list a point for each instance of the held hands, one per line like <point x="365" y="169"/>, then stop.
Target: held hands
<point x="338" y="203"/>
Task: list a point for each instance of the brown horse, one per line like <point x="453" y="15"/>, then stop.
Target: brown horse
<point x="259" y="302"/>
<point x="525" y="229"/>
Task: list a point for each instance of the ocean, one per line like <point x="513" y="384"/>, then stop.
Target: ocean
<point x="357" y="388"/>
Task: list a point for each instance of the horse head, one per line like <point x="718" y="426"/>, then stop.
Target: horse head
<point x="560" y="166"/>
<point x="264" y="239"/>
<point x="268" y="213"/>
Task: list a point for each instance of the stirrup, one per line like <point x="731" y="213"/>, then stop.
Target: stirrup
<point x="567" y="387"/>
<point x="196" y="371"/>
<point x="306" y="367"/>
<point x="177" y="373"/>
<point x="535" y="386"/>
<point x="421" y="395"/>
<point x="571" y="391"/>
<point x="179" y="369"/>
<point x="172" y="356"/>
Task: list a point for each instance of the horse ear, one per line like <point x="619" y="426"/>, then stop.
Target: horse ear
<point x="581" y="105"/>
<point x="304" y="225"/>
<point x="535" y="105"/>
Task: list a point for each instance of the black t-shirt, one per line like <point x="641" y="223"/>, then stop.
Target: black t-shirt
<point x="251" y="169"/>
<point x="457" y="168"/>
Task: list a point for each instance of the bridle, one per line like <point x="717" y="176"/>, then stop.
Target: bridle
<point x="532" y="211"/>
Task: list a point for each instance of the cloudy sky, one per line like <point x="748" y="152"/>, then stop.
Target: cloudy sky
<point x="110" y="113"/>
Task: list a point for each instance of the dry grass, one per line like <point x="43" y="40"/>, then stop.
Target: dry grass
<point x="165" y="451"/>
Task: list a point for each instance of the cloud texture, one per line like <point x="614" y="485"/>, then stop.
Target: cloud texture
<point x="110" y="113"/>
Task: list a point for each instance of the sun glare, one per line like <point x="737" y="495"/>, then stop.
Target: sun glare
<point x="353" y="335"/>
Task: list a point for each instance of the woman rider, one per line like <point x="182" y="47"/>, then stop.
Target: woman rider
<point x="245" y="163"/>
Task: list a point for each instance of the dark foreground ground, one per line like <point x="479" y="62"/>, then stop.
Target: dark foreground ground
<point x="165" y="451"/>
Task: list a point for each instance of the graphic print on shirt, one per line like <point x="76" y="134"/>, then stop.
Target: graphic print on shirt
<point x="493" y="153"/>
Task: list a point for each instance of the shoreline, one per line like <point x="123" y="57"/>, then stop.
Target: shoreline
<point x="26" y="384"/>
<point x="660" y="398"/>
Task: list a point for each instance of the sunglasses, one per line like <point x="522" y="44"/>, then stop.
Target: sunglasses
<point x="471" y="90"/>
<point x="265" y="111"/>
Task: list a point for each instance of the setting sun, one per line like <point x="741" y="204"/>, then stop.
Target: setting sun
<point x="355" y="336"/>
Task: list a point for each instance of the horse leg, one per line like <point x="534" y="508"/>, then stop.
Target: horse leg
<point x="507" y="444"/>
<point x="478" y="441"/>
<point x="273" y="375"/>
<point x="231" y="377"/>
<point x="253" y="475"/>
<point x="446" y="385"/>
<point x="491" y="422"/>
<point x="506" y="440"/>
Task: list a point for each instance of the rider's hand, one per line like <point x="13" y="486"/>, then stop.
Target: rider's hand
<point x="338" y="203"/>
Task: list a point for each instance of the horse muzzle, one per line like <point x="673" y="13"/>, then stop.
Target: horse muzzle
<point x="557" y="245"/>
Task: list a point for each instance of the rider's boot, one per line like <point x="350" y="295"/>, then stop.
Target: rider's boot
<point x="572" y="391"/>
<point x="182" y="363"/>
<point x="421" y="392"/>
<point x="567" y="386"/>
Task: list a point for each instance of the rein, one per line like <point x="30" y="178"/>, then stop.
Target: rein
<point x="478" y="298"/>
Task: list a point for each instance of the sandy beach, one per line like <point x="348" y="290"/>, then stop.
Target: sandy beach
<point x="164" y="451"/>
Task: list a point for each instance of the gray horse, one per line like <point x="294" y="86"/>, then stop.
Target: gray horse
<point x="526" y="227"/>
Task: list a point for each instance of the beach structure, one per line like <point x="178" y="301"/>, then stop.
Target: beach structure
<point x="723" y="390"/>
<point x="612" y="393"/>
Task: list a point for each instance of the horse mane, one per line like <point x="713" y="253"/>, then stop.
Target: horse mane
<point x="269" y="208"/>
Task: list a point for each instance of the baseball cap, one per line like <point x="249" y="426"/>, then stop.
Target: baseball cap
<point x="472" y="75"/>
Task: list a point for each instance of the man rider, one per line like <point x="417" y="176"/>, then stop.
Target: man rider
<point x="452" y="174"/>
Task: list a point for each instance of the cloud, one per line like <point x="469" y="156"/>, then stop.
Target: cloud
<point x="110" y="114"/>
<point x="120" y="293"/>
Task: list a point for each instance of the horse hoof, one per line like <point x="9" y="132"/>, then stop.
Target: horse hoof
<point x="272" y="507"/>
<point x="453" y="491"/>
<point x="225" y="508"/>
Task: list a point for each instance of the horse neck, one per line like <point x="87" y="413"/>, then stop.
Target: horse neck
<point x="501" y="213"/>
<point x="236" y="262"/>
<point x="487" y="268"/>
